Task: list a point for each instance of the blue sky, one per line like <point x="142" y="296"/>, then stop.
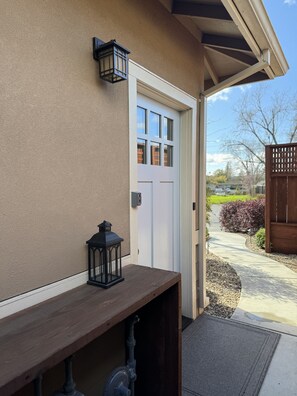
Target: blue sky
<point x="221" y="119"/>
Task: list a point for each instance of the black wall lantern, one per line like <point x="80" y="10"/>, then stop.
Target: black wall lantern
<point x="113" y="60"/>
<point x="104" y="257"/>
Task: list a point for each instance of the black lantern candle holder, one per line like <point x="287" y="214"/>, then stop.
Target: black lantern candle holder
<point x="112" y="58"/>
<point x="104" y="257"/>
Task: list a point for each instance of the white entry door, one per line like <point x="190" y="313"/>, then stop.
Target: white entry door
<point x="158" y="183"/>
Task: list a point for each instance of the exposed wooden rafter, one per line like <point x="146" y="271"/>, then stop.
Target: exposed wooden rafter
<point x="225" y="42"/>
<point x="255" y="77"/>
<point x="210" y="68"/>
<point x="239" y="57"/>
<point x="212" y="11"/>
<point x="241" y="76"/>
<point x="251" y="79"/>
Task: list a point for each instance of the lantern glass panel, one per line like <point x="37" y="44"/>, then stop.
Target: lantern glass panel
<point x="113" y="264"/>
<point x="120" y="62"/>
<point x="106" y="64"/>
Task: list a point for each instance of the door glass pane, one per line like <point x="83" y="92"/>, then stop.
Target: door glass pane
<point x="155" y="153"/>
<point x="141" y="151"/>
<point x="155" y="124"/>
<point x="141" y="120"/>
<point x="168" y="155"/>
<point x="168" y="129"/>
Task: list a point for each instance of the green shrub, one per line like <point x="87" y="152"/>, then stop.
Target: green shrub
<point x="260" y="238"/>
<point x="207" y="234"/>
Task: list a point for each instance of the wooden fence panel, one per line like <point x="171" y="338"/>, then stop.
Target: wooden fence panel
<point x="283" y="237"/>
<point x="281" y="198"/>
<point x="272" y="202"/>
<point x="280" y="193"/>
<point x="292" y="200"/>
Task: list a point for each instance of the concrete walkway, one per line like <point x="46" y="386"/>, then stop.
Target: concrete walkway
<point x="269" y="289"/>
<point x="268" y="299"/>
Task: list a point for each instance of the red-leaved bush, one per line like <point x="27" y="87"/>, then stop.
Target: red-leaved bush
<point x="241" y="216"/>
<point x="230" y="217"/>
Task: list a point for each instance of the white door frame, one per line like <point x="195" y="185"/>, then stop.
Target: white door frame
<point x="143" y="81"/>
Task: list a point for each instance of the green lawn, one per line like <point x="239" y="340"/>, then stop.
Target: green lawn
<point x="221" y="199"/>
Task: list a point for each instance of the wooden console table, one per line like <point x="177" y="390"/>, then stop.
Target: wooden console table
<point x="38" y="338"/>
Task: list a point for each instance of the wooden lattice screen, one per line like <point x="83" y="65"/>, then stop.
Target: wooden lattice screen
<point x="281" y="198"/>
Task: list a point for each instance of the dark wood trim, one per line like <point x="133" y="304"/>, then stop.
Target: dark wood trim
<point x="211" y="11"/>
<point x="38" y="338"/>
<point x="284" y="224"/>
<point x="255" y="77"/>
<point x="150" y="379"/>
<point x="283" y="174"/>
<point x="260" y="76"/>
<point x="239" y="57"/>
<point x="282" y="145"/>
<point x="267" y="198"/>
<point x="225" y="42"/>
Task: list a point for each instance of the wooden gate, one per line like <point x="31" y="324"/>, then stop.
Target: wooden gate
<point x="281" y="198"/>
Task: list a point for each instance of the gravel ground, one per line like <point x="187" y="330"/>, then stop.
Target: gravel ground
<point x="223" y="287"/>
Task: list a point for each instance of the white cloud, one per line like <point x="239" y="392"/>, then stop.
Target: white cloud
<point x="245" y="87"/>
<point x="222" y="95"/>
<point x="290" y="2"/>
<point x="219" y="161"/>
<point x="218" y="158"/>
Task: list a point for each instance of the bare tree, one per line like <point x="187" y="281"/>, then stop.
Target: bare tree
<point x="252" y="168"/>
<point x="259" y="123"/>
<point x="262" y="119"/>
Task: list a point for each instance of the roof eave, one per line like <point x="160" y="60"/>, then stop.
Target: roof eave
<point x="243" y="11"/>
<point x="270" y="36"/>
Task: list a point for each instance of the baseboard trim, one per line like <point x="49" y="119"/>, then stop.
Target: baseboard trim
<point x="36" y="296"/>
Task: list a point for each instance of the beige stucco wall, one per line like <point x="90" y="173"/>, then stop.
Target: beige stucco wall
<point x="64" y="139"/>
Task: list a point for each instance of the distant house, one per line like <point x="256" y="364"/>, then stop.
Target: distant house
<point x="74" y="147"/>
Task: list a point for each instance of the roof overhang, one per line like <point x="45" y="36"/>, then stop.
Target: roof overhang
<point x="238" y="38"/>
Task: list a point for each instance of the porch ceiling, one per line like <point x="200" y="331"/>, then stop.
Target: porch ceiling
<point x="236" y="35"/>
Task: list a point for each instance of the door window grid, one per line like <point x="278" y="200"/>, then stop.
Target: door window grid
<point x="155" y="125"/>
<point x="141" y="151"/>
<point x="155" y="153"/>
<point x="155" y="143"/>
<point x="141" y="120"/>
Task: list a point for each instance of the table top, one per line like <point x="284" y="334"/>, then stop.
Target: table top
<point x="37" y="338"/>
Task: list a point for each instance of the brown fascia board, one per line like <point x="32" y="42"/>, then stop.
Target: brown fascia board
<point x="225" y="42"/>
<point x="211" y="11"/>
<point x="257" y="77"/>
<point x="255" y="26"/>
<point x="237" y="56"/>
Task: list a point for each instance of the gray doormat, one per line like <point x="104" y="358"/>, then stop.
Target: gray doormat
<point x="222" y="357"/>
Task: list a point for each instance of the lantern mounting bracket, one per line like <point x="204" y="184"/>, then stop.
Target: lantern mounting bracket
<point x="96" y="44"/>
